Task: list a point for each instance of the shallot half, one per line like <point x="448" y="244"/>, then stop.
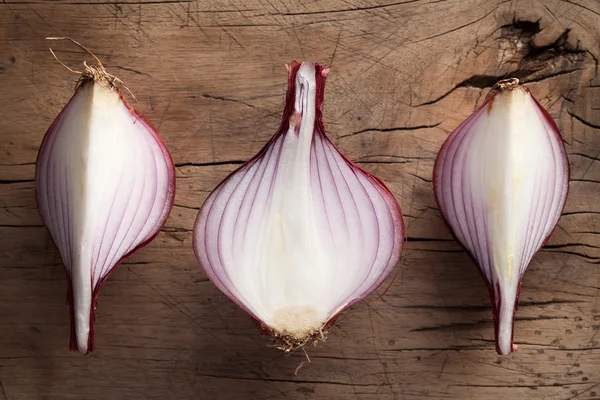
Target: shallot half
<point x="105" y="185"/>
<point x="299" y="233"/>
<point x="501" y="182"/>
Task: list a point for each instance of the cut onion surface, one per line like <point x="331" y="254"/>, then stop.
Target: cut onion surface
<point x="501" y="181"/>
<point x="105" y="184"/>
<point x="299" y="233"/>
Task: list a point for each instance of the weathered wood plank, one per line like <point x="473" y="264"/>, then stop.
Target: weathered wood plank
<point x="210" y="75"/>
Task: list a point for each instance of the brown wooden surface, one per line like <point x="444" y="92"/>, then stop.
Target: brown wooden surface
<point x="210" y="76"/>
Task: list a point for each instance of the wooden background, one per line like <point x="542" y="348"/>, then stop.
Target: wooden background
<point x="210" y="75"/>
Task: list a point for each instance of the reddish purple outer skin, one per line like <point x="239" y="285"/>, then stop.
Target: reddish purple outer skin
<point x="491" y="291"/>
<point x="172" y="187"/>
<point x="288" y="110"/>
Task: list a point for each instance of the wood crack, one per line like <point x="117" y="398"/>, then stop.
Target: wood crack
<point x="583" y="180"/>
<point x="394" y="129"/>
<point x="264" y="379"/>
<point x="380" y="162"/>
<point x="135" y="71"/>
<point x="557" y="384"/>
<point x="424" y="239"/>
<point x="367" y="8"/>
<point x="11" y="181"/>
<point x="20" y="226"/>
<point x="420" y="177"/>
<point x="452" y="348"/>
<point x="18" y="164"/>
<point x="591" y="260"/>
<point x="479" y="322"/>
<point x="533" y="60"/>
<point x="585" y="156"/>
<point x="488" y="307"/>
<point x="560" y="246"/>
<point x="2" y="390"/>
<point x="488" y="81"/>
<point x="188" y="207"/>
<point x="210" y="164"/>
<point x="221" y="98"/>
<point x="566" y="214"/>
<point x="169" y="229"/>
<point x="583" y="121"/>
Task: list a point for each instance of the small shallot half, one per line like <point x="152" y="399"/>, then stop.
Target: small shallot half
<point x="299" y="233"/>
<point x="105" y="185"/>
<point x="501" y="182"/>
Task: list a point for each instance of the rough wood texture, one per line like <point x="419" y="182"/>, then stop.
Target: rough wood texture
<point x="210" y="75"/>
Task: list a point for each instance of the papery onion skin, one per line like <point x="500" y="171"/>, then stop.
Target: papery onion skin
<point x="301" y="152"/>
<point x="517" y="117"/>
<point x="63" y="195"/>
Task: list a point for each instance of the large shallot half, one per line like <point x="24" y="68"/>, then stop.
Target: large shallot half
<point x="501" y="182"/>
<point x="105" y="184"/>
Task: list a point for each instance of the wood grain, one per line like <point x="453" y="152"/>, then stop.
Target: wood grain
<point x="210" y="76"/>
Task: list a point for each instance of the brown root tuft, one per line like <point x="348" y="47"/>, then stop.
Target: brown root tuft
<point x="289" y="343"/>
<point x="92" y="73"/>
<point x="504" y="84"/>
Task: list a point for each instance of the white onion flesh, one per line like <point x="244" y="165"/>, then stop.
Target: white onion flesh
<point x="299" y="233"/>
<point x="105" y="185"/>
<point x="501" y="181"/>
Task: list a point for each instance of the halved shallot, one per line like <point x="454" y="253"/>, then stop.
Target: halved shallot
<point x="105" y="184"/>
<point x="501" y="182"/>
<point x="299" y="233"/>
